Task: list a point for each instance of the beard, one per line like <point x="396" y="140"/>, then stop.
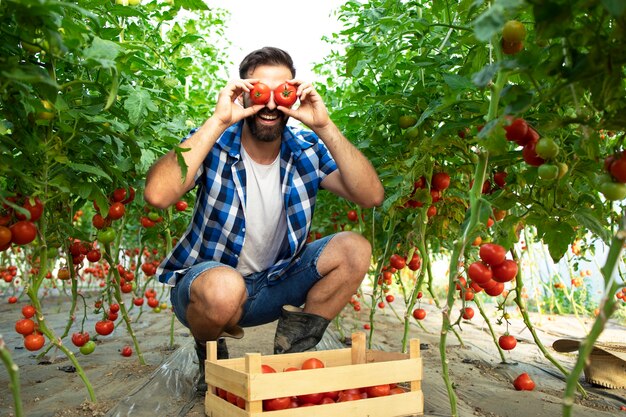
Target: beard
<point x="264" y="133"/>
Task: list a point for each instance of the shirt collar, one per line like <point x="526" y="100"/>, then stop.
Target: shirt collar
<point x="293" y="140"/>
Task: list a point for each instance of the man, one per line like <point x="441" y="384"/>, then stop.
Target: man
<point x="244" y="260"/>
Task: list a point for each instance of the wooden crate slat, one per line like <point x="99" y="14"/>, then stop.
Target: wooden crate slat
<point x="284" y="384"/>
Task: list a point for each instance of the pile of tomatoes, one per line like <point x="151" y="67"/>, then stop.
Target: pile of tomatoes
<point x="307" y="400"/>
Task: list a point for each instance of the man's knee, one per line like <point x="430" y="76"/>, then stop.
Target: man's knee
<point x="357" y="251"/>
<point x="217" y="295"/>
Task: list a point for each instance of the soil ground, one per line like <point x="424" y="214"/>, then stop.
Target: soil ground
<point x="164" y="387"/>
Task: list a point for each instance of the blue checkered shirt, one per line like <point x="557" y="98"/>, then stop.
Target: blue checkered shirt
<point x="217" y="229"/>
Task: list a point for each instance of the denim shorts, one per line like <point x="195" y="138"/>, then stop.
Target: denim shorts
<point x="265" y="297"/>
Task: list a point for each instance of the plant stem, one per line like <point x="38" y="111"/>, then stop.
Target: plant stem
<point x="14" y="377"/>
<point x="607" y="307"/>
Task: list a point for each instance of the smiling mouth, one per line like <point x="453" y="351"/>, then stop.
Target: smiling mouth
<point x="268" y="117"/>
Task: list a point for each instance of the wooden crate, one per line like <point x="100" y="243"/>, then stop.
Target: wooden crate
<point x="354" y="367"/>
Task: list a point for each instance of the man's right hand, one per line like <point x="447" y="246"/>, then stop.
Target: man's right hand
<point x="229" y="109"/>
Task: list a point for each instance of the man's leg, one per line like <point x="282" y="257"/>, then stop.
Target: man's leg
<point x="342" y="264"/>
<point x="213" y="306"/>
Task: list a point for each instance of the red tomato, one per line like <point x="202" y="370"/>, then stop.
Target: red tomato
<point x="138" y="301"/>
<point x="285" y="95"/>
<point x="94" y="255"/>
<point x="146" y="222"/>
<point x="116" y="211"/>
<point x="468" y="313"/>
<point x="496" y="289"/>
<point x="500" y="179"/>
<point x="34" y="341"/>
<point x="492" y="253"/>
<point x="507" y="342"/>
<point x="389" y="298"/>
<point x="397" y="261"/>
<point x="5" y="236"/>
<point x="23" y="232"/>
<point x="35" y="209"/>
<point x="28" y="311"/>
<point x="126" y="351"/>
<point x="273" y="404"/>
<point x="349" y="395"/>
<point x="153" y="302"/>
<point x="25" y="326"/>
<point x="104" y="327"/>
<point x="181" y="205"/>
<point x="530" y="155"/>
<point x="504" y="272"/>
<point x="100" y="222"/>
<point x="315" y="398"/>
<point x="419" y="313"/>
<point x="312" y="363"/>
<point x="12" y="299"/>
<point x="80" y="338"/>
<point x="479" y="272"/>
<point x="516" y="130"/>
<point x="130" y="197"/>
<point x="378" y="390"/>
<point x="618" y="169"/>
<point x="524" y="383"/>
<point x="352" y="215"/>
<point x="119" y="195"/>
<point x="440" y="181"/>
<point x="260" y="94"/>
<point x="114" y="307"/>
<point x="432" y="211"/>
<point x="415" y="263"/>
<point x="266" y="369"/>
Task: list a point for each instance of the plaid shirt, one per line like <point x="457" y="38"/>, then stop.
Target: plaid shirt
<point x="217" y="229"/>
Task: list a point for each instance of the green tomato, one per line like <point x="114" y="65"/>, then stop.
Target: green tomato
<point x="406" y="121"/>
<point x="613" y="191"/>
<point x="548" y="172"/>
<point x="563" y="169"/>
<point x="106" y="235"/>
<point x="88" y="347"/>
<point x="154" y="216"/>
<point x="547" y="148"/>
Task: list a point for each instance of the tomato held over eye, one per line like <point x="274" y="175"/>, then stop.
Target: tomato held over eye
<point x="260" y="93"/>
<point x="285" y="95"/>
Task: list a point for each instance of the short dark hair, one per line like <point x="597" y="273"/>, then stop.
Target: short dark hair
<point x="267" y="55"/>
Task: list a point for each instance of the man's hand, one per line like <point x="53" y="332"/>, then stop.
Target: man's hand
<point x="312" y="110"/>
<point x="228" y="110"/>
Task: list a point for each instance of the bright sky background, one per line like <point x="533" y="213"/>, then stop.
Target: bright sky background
<point x="297" y="26"/>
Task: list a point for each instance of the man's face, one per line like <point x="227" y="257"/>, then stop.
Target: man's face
<point x="268" y="123"/>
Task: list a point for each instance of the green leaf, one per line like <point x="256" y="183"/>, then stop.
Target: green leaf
<point x="558" y="236"/>
<point x="90" y="169"/>
<point x="489" y="23"/>
<point x="458" y="82"/>
<point x="102" y="52"/>
<point x="483" y="77"/>
<point x="588" y="219"/>
<point x="138" y="104"/>
<point x="615" y="7"/>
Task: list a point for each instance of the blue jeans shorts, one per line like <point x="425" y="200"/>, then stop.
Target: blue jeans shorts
<point x="265" y="297"/>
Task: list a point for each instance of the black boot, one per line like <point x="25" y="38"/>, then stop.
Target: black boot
<point x="298" y="331"/>
<point x="222" y="353"/>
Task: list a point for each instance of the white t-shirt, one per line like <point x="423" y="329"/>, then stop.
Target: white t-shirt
<point x="266" y="221"/>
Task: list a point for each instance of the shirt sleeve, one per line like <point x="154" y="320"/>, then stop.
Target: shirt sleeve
<point x="327" y="164"/>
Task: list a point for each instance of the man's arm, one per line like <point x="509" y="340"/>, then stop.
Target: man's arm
<point x="355" y="179"/>
<point x="164" y="182"/>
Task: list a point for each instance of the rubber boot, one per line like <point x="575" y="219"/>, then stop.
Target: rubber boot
<point x="298" y="331"/>
<point x="222" y="353"/>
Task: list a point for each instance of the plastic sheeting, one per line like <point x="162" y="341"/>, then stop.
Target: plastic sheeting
<point x="169" y="391"/>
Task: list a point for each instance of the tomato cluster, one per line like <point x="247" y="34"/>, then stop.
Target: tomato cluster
<point x="308" y="400"/>
<point x="33" y="338"/>
<point x="613" y="182"/>
<point x="492" y="271"/>
<point x="17" y="221"/>
<point x="439" y="182"/>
